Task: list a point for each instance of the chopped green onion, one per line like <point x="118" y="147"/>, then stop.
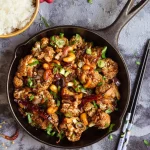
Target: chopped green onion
<point x="60" y="43"/>
<point x="95" y="105"/>
<point x="101" y="63"/>
<point x="138" y="63"/>
<point x="36" y="62"/>
<point x="49" y="129"/>
<point x="62" y="71"/>
<point x="66" y="73"/>
<point x="83" y="90"/>
<point x="80" y="64"/>
<point x="104" y="77"/>
<point x="78" y="37"/>
<point x="108" y="111"/>
<point x="54" y="94"/>
<point x="100" y="84"/>
<point x="75" y="82"/>
<point x="31" y="97"/>
<point x="104" y="52"/>
<point x="55" y="70"/>
<point x="53" y="38"/>
<point x="45" y="21"/>
<point x="53" y="133"/>
<point x="146" y="143"/>
<point x="59" y="88"/>
<point x="61" y="35"/>
<point x="29" y="82"/>
<point x="29" y="117"/>
<point x="88" y="51"/>
<point x="58" y="103"/>
<point x="110" y="137"/>
<point x="60" y="135"/>
<point x="90" y="1"/>
<point x="111" y="127"/>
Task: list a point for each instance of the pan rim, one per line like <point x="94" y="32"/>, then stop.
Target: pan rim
<point x="126" y="70"/>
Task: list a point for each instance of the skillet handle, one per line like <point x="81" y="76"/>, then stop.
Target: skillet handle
<point x="111" y="33"/>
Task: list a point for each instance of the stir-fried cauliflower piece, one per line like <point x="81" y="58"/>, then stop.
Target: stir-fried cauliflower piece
<point x="73" y="128"/>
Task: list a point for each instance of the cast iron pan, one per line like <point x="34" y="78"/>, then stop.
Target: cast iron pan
<point x="107" y="36"/>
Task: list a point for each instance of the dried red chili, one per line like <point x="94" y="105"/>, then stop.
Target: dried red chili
<point x="11" y="138"/>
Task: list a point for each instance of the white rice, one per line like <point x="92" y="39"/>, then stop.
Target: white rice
<point x="15" y="14"/>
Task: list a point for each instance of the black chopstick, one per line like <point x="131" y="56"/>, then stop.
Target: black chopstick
<point x="124" y="138"/>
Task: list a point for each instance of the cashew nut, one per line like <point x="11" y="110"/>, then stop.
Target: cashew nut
<point x="86" y="67"/>
<point x="53" y="88"/>
<point x="71" y="57"/>
<point x="46" y="66"/>
<point x="52" y="110"/>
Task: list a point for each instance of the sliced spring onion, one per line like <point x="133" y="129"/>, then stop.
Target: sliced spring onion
<point x="58" y="103"/>
<point x="90" y="1"/>
<point x="53" y="38"/>
<point x="88" y="51"/>
<point x="53" y="133"/>
<point x="60" y="43"/>
<point x="61" y="35"/>
<point x="55" y="70"/>
<point x="108" y="111"/>
<point x="31" y="97"/>
<point x="95" y="105"/>
<point x="101" y="63"/>
<point x="75" y="82"/>
<point x="146" y="143"/>
<point x="54" y="94"/>
<point x="45" y="22"/>
<point x="29" y="82"/>
<point x="36" y="62"/>
<point x="138" y="63"/>
<point x="59" y="88"/>
<point x="110" y="137"/>
<point x="60" y="135"/>
<point x="80" y="64"/>
<point x="62" y="71"/>
<point x="66" y="73"/>
<point x="49" y="129"/>
<point x="29" y="117"/>
<point x="111" y="127"/>
<point x="78" y="37"/>
<point x="104" y="52"/>
<point x="100" y="84"/>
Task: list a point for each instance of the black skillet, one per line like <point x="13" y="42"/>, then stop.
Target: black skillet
<point x="107" y="36"/>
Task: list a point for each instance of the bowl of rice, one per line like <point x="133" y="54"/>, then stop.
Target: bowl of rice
<point x="16" y="16"/>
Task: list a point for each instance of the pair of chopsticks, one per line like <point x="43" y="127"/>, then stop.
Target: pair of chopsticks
<point x="125" y="135"/>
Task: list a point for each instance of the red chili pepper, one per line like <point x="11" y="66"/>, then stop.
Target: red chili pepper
<point x="49" y="1"/>
<point x="11" y="138"/>
<point x="91" y="98"/>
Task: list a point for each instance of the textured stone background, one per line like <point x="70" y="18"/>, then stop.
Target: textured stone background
<point x="100" y="14"/>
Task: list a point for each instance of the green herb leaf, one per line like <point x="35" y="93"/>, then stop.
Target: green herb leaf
<point x="138" y="63"/>
<point x="146" y="143"/>
<point x="90" y="1"/>
<point x="36" y="62"/>
<point x="104" y="52"/>
<point x="61" y="35"/>
<point x="110" y="137"/>
<point x="111" y="127"/>
<point x="29" y="82"/>
<point x="29" y="117"/>
<point x="101" y="63"/>
<point x="58" y="103"/>
<point x="49" y="129"/>
<point x="108" y="111"/>
<point x="45" y="22"/>
<point x="100" y="84"/>
<point x="31" y="97"/>
<point x="88" y="51"/>
<point x="95" y="105"/>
